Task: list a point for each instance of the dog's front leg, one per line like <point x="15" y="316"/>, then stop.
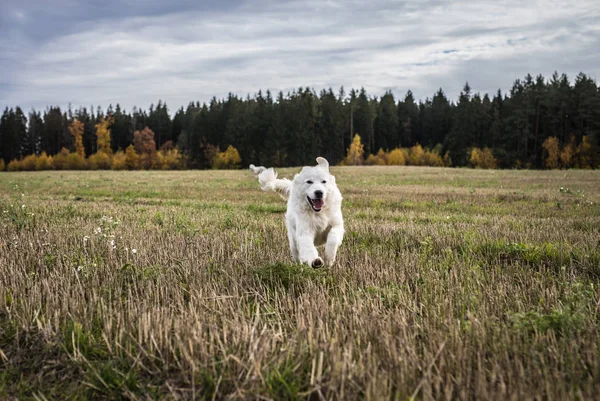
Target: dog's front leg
<point x="307" y="251"/>
<point x="334" y="240"/>
<point x="291" y="237"/>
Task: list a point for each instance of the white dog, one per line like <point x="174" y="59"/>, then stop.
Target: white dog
<point x="314" y="211"/>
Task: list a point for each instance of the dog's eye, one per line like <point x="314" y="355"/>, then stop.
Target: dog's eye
<point x="309" y="182"/>
<point x="323" y="182"/>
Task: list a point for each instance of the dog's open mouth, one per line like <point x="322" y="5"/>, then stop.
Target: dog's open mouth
<point x="316" y="204"/>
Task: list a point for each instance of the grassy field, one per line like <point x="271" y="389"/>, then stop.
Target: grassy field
<point x="450" y="284"/>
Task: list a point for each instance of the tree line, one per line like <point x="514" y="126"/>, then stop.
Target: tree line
<point x="533" y="125"/>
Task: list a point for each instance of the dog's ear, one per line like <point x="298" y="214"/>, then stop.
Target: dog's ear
<point x="323" y="163"/>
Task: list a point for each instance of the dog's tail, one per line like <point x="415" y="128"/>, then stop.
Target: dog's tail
<point x="268" y="181"/>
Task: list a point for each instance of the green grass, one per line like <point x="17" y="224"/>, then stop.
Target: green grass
<point x="286" y="276"/>
<point x="450" y="284"/>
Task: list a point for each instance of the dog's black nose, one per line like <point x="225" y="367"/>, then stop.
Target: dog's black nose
<point x="318" y="194"/>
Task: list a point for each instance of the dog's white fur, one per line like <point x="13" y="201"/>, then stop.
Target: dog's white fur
<point x="307" y="225"/>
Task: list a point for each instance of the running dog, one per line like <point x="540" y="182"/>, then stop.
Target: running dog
<point x="314" y="211"/>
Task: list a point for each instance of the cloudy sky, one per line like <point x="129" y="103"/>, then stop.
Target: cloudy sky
<point x="136" y="52"/>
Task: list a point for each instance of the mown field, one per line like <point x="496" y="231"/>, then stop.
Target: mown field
<point x="450" y="284"/>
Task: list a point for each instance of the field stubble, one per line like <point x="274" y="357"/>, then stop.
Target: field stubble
<point x="450" y="284"/>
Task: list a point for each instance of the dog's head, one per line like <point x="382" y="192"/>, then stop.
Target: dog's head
<point x="315" y="184"/>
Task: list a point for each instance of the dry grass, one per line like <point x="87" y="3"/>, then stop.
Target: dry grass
<point x="451" y="284"/>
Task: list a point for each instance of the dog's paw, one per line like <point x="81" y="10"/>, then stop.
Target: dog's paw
<point x="329" y="258"/>
<point x="256" y="170"/>
<point x="317" y="263"/>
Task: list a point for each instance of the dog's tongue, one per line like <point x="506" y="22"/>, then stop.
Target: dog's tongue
<point x="318" y="203"/>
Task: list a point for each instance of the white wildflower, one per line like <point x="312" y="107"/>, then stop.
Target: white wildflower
<point x="112" y="243"/>
<point x="22" y="206"/>
<point x="79" y="268"/>
<point x="98" y="230"/>
<point x="86" y="238"/>
<point x="134" y="251"/>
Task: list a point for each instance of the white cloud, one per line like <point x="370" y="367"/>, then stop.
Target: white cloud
<point x="194" y="55"/>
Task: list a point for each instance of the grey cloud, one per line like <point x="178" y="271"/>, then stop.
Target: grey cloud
<point x="193" y="51"/>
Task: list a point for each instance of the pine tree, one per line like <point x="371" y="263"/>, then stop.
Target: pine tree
<point x="586" y="96"/>
<point x="441" y="119"/>
<point x="408" y="120"/>
<point x="89" y="131"/>
<point x="121" y="129"/>
<point x="6" y="137"/>
<point x="331" y="127"/>
<point x="159" y="122"/>
<point x="177" y="125"/>
<point x="464" y="128"/>
<point x="31" y="143"/>
<point x="364" y="119"/>
<point x="53" y="138"/>
<point x="13" y="128"/>
<point x="386" y="123"/>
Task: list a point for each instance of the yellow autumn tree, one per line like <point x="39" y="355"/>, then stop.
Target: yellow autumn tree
<point x="103" y="135"/>
<point x="378" y="159"/>
<point x="118" y="161"/>
<point x="432" y="159"/>
<point x="584" y="153"/>
<point x="381" y="155"/>
<point x="355" y="153"/>
<point x="489" y="159"/>
<point x="28" y="163"/>
<point x="483" y="158"/>
<point x="60" y="159"/>
<point x="416" y="155"/>
<point x="43" y="162"/>
<point x="2" y="165"/>
<point x="76" y="130"/>
<point x="396" y="158"/>
<point x="567" y="153"/>
<point x="447" y="160"/>
<point x="172" y="159"/>
<point x="99" y="161"/>
<point x="552" y="150"/>
<point x="230" y="159"/>
<point x="475" y="158"/>
<point x="13" y="165"/>
<point x="75" y="162"/>
<point x="131" y="158"/>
